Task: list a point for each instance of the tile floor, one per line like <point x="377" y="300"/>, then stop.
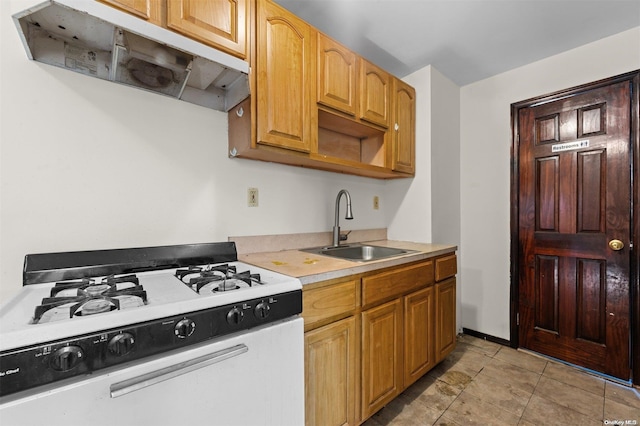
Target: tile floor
<point x="484" y="383"/>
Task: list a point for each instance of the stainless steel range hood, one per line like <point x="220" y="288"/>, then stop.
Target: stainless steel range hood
<point x="91" y="38"/>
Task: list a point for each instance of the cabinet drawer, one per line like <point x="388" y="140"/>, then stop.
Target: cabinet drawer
<point x="386" y="285"/>
<point x="446" y="267"/>
<point x="329" y="302"/>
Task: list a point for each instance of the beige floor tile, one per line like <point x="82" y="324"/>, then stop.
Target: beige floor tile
<point x="574" y="377"/>
<point x="480" y="343"/>
<point x="419" y="412"/>
<point x="469" y="363"/>
<point x="521" y="359"/>
<point x="481" y="382"/>
<point x="446" y="421"/>
<point x="503" y="395"/>
<point x="455" y="379"/>
<point x="434" y="393"/>
<point x="469" y="410"/>
<point x="541" y="411"/>
<point x="510" y="374"/>
<point x="410" y="405"/>
<point x="489" y="350"/>
<point x="614" y="410"/>
<point x="622" y="394"/>
<point x="569" y="396"/>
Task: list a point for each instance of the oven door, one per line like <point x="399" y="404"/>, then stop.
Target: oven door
<point x="252" y="378"/>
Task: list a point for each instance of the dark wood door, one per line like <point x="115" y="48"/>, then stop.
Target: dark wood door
<point x="574" y="205"/>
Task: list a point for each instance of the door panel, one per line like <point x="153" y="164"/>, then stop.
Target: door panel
<point x="574" y="197"/>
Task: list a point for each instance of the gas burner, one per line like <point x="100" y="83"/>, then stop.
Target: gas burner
<point x="88" y="296"/>
<point x="216" y="278"/>
<point x="89" y="286"/>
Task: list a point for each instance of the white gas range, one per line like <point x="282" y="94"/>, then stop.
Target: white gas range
<point x="117" y="328"/>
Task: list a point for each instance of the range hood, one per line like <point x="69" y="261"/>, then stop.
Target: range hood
<point x="91" y="38"/>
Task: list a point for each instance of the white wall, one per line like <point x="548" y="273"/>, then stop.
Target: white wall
<point x="87" y="164"/>
<point x="411" y="221"/>
<point x="485" y="134"/>
<point x="445" y="170"/>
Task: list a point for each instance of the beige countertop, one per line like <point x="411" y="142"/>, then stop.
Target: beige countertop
<point x="311" y="268"/>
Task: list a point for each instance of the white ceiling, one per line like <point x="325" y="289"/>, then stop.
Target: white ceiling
<point x="466" y="40"/>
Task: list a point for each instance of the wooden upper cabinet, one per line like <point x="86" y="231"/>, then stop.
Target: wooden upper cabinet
<point x="219" y="23"/>
<point x="337" y="75"/>
<point x="403" y="129"/>
<point x="286" y="75"/>
<point x="149" y="10"/>
<point x="375" y="94"/>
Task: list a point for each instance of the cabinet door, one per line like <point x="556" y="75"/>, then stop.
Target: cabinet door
<point x="445" y="318"/>
<point x="285" y="79"/>
<point x="404" y="127"/>
<point x="381" y="356"/>
<point x="419" y="339"/>
<point x="150" y="10"/>
<point x="330" y="371"/>
<point x="375" y="93"/>
<point x="337" y="72"/>
<point x="218" y="23"/>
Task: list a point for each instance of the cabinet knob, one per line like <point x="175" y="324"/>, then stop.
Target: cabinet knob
<point x="396" y="127"/>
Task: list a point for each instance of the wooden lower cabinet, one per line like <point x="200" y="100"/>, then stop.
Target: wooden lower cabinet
<point x="368" y="337"/>
<point x="397" y="347"/>
<point x="381" y="356"/>
<point x="445" y="318"/>
<point x="330" y="374"/>
<point x="419" y="334"/>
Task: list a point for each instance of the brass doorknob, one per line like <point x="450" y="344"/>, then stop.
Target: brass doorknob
<point x="616" y="245"/>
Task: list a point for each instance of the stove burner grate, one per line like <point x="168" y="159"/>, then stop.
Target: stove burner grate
<point x="216" y="278"/>
<point x="89" y="297"/>
<point x="89" y="286"/>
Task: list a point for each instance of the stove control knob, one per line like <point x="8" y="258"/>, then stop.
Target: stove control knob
<point x="121" y="344"/>
<point x="66" y="358"/>
<point x="185" y="328"/>
<point x="262" y="310"/>
<point x="235" y="316"/>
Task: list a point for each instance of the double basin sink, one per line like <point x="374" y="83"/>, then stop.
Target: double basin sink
<point x="359" y="252"/>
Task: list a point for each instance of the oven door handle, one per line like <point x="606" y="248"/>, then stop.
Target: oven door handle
<point x="150" y="379"/>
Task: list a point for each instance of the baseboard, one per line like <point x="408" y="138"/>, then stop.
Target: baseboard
<point x="486" y="337"/>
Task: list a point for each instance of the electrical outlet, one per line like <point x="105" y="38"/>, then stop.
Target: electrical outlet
<point x="252" y="197"/>
<point x="376" y="202"/>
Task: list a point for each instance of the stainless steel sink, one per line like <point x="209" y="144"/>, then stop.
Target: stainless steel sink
<point x="359" y="252"/>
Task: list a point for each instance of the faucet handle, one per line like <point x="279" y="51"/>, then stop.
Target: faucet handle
<point x="343" y="237"/>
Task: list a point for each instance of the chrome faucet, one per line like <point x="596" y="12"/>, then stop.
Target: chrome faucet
<point x="336" y="227"/>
